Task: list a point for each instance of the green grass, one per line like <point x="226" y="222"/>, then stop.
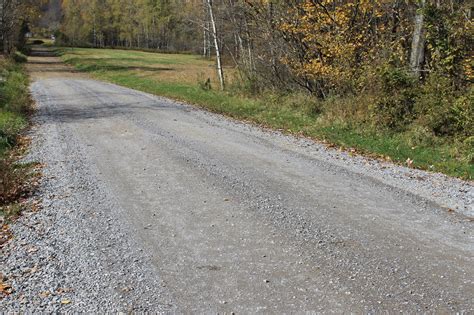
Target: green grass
<point x="176" y="76"/>
<point x="14" y="107"/>
<point x="14" y="103"/>
<point x="11" y="124"/>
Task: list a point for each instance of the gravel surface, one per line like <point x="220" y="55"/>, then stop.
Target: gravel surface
<point x="154" y="205"/>
<point x="72" y="255"/>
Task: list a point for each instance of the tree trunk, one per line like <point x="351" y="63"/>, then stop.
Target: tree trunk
<point x="220" y="72"/>
<point x="418" y="42"/>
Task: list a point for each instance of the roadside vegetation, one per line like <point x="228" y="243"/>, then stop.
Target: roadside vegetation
<point x="15" y="105"/>
<point x="16" y="17"/>
<point x="439" y="140"/>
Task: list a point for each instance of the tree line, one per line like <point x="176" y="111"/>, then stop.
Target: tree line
<point x="151" y="24"/>
<point x="320" y="45"/>
<point x="15" y="18"/>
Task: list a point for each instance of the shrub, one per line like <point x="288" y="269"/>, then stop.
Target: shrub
<point x="25" y="50"/>
<point x="203" y="82"/>
<point x="19" y="57"/>
<point x="301" y="101"/>
<point x="419" y="136"/>
<point x="349" y="110"/>
<point x="462" y="113"/>
<point x="468" y="148"/>
<point x="394" y="109"/>
<point x="440" y="110"/>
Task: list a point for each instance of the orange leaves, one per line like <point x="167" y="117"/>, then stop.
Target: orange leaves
<point x="337" y="37"/>
<point x="5" y="289"/>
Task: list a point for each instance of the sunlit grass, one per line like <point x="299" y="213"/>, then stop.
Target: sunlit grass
<point x="177" y="68"/>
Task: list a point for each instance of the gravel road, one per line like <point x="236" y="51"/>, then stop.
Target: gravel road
<point x="154" y="205"/>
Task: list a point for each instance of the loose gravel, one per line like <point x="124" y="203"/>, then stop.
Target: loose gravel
<point x="181" y="210"/>
<point x="72" y="255"/>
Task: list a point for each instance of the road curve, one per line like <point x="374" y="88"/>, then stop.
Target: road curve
<point x="232" y="218"/>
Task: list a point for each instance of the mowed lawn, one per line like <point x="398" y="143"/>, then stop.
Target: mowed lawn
<point x="181" y="77"/>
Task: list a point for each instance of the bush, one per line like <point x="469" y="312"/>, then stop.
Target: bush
<point x="394" y="110"/>
<point x="419" y="136"/>
<point x="468" y="148"/>
<point x="301" y="101"/>
<point x="440" y="110"/>
<point x="349" y="110"/>
<point x="19" y="57"/>
<point x="462" y="113"/>
<point x="25" y="50"/>
<point x="203" y="82"/>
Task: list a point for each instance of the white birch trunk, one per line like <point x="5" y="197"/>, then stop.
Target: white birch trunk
<point x="220" y="72"/>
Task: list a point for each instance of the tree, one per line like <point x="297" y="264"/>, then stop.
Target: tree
<point x="220" y="72"/>
<point x="15" y="15"/>
<point x="418" y="41"/>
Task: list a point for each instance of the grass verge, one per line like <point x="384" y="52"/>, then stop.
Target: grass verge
<point x="178" y="77"/>
<point x="15" y="106"/>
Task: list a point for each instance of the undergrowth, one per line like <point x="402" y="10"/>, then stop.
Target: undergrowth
<point x="15" y="105"/>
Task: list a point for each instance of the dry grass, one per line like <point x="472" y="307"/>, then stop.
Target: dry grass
<point x="170" y="68"/>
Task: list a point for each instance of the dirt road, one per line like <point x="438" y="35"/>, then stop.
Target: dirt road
<point x="155" y="205"/>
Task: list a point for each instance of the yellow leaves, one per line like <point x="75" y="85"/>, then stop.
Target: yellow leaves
<point x="336" y="34"/>
<point x="468" y="66"/>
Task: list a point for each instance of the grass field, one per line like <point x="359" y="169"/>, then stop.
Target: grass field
<point x="180" y="76"/>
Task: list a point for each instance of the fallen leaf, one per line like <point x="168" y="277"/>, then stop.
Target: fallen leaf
<point x="32" y="250"/>
<point x="65" y="301"/>
<point x="5" y="288"/>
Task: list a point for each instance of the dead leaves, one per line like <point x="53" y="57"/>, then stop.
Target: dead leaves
<point x="5" y="235"/>
<point x="5" y="288"/>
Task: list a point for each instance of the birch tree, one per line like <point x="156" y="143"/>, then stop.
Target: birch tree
<point x="212" y="20"/>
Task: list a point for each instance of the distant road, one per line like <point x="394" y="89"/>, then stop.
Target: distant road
<point x="166" y="207"/>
